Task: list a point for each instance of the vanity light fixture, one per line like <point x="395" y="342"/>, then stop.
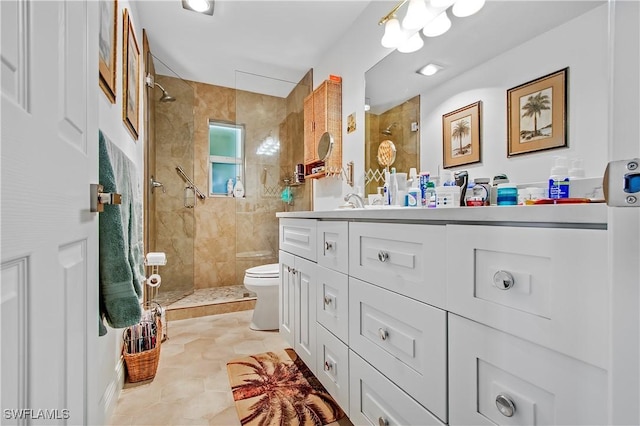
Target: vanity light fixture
<point x="429" y="69"/>
<point x="431" y="17"/>
<point x="438" y="26"/>
<point x="464" y="8"/>
<point x="201" y="6"/>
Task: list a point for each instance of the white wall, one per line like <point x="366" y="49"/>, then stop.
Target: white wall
<point x="585" y="54"/>
<point x="581" y="45"/>
<point x="110" y="370"/>
<point x="358" y="50"/>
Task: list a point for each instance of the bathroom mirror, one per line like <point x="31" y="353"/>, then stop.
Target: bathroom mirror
<point x="325" y="145"/>
<point x="394" y="83"/>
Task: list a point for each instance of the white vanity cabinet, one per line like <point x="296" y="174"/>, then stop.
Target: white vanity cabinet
<point x="297" y="307"/>
<point x="456" y="318"/>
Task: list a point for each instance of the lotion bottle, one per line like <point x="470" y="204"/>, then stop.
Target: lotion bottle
<point x="238" y="189"/>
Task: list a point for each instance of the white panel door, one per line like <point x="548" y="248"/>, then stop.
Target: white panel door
<point x="49" y="287"/>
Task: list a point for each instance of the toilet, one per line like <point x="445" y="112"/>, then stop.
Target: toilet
<point x="264" y="281"/>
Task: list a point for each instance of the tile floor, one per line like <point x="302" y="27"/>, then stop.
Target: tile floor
<point x="191" y="385"/>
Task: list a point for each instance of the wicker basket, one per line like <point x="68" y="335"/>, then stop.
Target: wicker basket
<point x="143" y="365"/>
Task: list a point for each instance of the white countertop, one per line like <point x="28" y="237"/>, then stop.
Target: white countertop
<point x="573" y="215"/>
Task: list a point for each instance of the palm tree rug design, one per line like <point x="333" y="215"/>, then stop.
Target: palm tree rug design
<point x="277" y="388"/>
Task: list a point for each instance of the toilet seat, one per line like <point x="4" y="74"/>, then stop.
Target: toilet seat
<point x="263" y="271"/>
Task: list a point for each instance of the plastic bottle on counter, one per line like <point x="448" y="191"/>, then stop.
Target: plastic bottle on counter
<point x="393" y="196"/>
<point x="559" y="179"/>
<point x="430" y="195"/>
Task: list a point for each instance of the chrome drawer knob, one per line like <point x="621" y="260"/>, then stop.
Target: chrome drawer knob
<point x="328" y="246"/>
<point x="384" y="334"/>
<point x="327" y="300"/>
<point x="383" y="256"/>
<point x="328" y="366"/>
<point x="505" y="405"/>
<point x="503" y="280"/>
<point x="382" y="421"/>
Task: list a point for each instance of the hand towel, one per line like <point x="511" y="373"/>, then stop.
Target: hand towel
<point x="120" y="240"/>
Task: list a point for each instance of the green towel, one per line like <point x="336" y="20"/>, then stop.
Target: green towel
<point x="120" y="241"/>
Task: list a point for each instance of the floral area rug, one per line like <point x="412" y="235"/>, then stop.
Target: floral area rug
<point x="277" y="388"/>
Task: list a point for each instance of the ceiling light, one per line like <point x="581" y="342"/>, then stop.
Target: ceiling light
<point x="412" y="44"/>
<point x="417" y="15"/>
<point x="393" y="33"/>
<point x="441" y="3"/>
<point x="200" y="6"/>
<point x="464" y="8"/>
<point x="429" y="69"/>
<point x="438" y="26"/>
<point x="429" y="15"/>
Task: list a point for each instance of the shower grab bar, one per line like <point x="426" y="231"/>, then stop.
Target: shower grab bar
<point x="190" y="182"/>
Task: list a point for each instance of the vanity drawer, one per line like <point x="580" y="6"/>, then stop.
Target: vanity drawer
<point x="332" y="368"/>
<point x="377" y="401"/>
<point x="545" y="387"/>
<point x="332" y="302"/>
<point x="404" y="339"/>
<point x="333" y="245"/>
<point x="406" y="259"/>
<point x="546" y="285"/>
<point x="298" y="236"/>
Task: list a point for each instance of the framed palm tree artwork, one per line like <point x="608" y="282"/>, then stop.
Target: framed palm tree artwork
<point x="537" y="114"/>
<point x="461" y="136"/>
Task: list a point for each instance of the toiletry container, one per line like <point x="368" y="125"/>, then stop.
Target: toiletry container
<point x="238" y="189"/>
<point x="414" y="197"/>
<point x="507" y="194"/>
<point x="482" y="189"/>
<point x="430" y="195"/>
<point x="559" y="179"/>
<point x="230" y="188"/>
<point x="497" y="180"/>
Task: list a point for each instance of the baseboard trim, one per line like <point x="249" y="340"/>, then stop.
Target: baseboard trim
<point x="111" y="394"/>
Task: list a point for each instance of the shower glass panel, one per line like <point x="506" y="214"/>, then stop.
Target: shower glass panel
<point x="174" y="202"/>
<point x="271" y="112"/>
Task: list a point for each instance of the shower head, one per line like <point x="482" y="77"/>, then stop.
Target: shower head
<point x="166" y="97"/>
<point x="387" y="131"/>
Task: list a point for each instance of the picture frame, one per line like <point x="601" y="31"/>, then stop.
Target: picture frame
<point x="130" y="77"/>
<point x="108" y="39"/>
<point x="537" y="114"/>
<point x="461" y="136"/>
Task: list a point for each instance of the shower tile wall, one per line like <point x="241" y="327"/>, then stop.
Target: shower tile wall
<point x="228" y="232"/>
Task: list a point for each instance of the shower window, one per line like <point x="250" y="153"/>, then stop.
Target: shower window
<point x="226" y="156"/>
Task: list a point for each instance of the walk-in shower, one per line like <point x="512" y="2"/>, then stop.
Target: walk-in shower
<point x="210" y="238"/>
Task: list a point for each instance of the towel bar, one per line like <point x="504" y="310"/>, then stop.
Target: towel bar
<point x="99" y="198"/>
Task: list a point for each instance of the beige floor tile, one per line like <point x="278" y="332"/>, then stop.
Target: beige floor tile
<point x="191" y="386"/>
